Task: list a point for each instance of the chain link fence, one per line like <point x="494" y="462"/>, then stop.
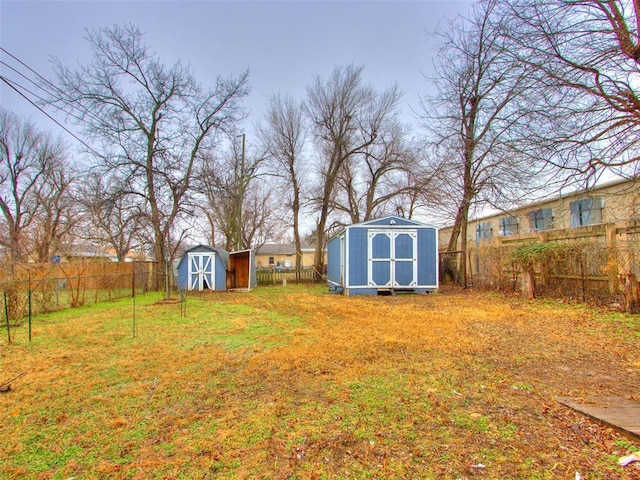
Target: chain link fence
<point x="32" y="289"/>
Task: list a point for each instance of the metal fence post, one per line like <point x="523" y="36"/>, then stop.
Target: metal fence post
<point x="6" y="315"/>
<point x="29" y="303"/>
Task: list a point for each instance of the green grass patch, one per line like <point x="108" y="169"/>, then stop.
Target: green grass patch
<point x="623" y="325"/>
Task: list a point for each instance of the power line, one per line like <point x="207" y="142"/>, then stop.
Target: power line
<point x="16" y="84"/>
<point x="22" y="75"/>
<point x="56" y="93"/>
<point x="44" y="79"/>
<point x="10" y="84"/>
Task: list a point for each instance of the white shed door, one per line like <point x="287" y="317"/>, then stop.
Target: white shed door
<point x="393" y="258"/>
<point x="201" y="271"/>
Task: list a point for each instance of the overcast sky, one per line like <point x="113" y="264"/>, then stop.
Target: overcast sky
<point x="283" y="44"/>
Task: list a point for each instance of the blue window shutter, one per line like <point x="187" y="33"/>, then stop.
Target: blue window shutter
<point x="541" y="219"/>
<point x="586" y="211"/>
<point x="547" y="219"/>
<point x="598" y="205"/>
<point x="574" y="207"/>
<point x="590" y="211"/>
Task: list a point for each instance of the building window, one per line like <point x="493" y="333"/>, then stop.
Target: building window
<point x="483" y="230"/>
<point x="509" y="226"/>
<point x="587" y="211"/>
<point x="272" y="260"/>
<point x="541" y="219"/>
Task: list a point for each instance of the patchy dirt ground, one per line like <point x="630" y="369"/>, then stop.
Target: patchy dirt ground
<point x="489" y="368"/>
<point x="296" y="383"/>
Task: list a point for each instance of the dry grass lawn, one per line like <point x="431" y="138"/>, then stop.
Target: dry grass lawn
<point x="294" y="383"/>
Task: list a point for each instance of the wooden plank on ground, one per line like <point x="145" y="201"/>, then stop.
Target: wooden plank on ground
<point x="617" y="412"/>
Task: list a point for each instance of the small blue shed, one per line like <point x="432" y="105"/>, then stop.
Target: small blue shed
<point x="387" y="255"/>
<point x="209" y="268"/>
<point x="203" y="268"/>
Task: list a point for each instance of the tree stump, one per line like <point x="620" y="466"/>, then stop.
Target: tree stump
<point x="528" y="288"/>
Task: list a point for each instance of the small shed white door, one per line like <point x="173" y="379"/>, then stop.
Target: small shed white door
<point x="201" y="270"/>
<point x="342" y="252"/>
<point x="393" y="258"/>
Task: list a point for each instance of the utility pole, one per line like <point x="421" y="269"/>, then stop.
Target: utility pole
<point x="241" y="180"/>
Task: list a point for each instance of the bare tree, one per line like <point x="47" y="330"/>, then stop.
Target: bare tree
<point x="113" y="216"/>
<point x="260" y="221"/>
<point x="372" y="181"/>
<point x="28" y="160"/>
<point x="346" y="117"/>
<point x="154" y="122"/>
<point x="58" y="211"/>
<point x="219" y="206"/>
<point x="418" y="186"/>
<point x="585" y="55"/>
<point x="225" y="182"/>
<point x="284" y="139"/>
<point x="472" y="120"/>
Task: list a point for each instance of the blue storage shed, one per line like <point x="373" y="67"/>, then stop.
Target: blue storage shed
<point x="203" y="268"/>
<point x="209" y="268"/>
<point x="387" y="255"/>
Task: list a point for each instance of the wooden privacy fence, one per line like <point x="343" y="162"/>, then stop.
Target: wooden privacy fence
<point x="591" y="264"/>
<point x="30" y="289"/>
<point x="272" y="276"/>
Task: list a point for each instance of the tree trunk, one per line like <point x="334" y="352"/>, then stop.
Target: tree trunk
<point x="295" y="211"/>
<point x="298" y="247"/>
<point x="16" y="255"/>
<point x="318" y="257"/>
<point x="459" y="232"/>
<point x="528" y="288"/>
<point x="462" y="272"/>
<point x="455" y="232"/>
<point x="158" y="256"/>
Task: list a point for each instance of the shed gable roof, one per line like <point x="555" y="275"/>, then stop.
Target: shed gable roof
<point x="222" y="254"/>
<point x="390" y="220"/>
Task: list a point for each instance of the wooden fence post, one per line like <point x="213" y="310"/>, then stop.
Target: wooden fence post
<point x="632" y="294"/>
<point x="612" y="247"/>
<point x="631" y="288"/>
